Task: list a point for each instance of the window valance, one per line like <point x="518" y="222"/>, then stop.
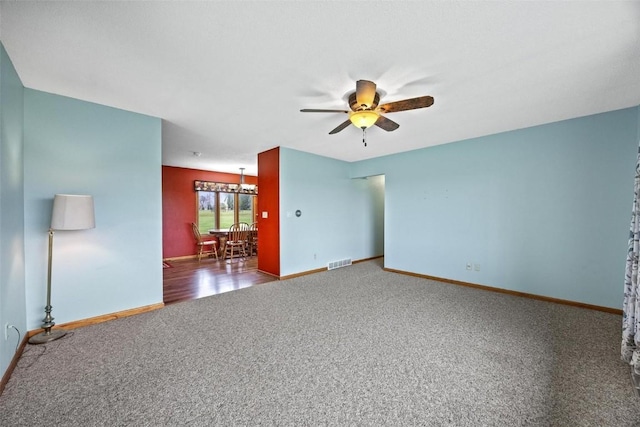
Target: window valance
<point x="226" y="187"/>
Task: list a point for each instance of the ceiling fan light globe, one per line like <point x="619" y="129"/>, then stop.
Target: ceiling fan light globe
<point x="364" y="119"/>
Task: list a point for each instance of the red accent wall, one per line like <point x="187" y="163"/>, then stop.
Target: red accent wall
<point x="180" y="209"/>
<point x="269" y="194"/>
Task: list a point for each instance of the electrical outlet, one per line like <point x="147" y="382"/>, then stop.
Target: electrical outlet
<point x="476" y="267"/>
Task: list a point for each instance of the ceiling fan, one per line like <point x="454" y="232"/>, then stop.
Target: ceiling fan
<point x="366" y="111"/>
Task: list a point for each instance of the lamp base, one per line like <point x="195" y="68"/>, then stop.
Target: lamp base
<point x="45" y="337"/>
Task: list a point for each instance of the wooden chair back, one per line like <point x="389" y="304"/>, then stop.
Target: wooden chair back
<point x="238" y="232"/>
<point x="252" y="238"/>
<point x="196" y="232"/>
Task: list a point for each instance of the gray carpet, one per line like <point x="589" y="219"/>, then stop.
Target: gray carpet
<point x="352" y="346"/>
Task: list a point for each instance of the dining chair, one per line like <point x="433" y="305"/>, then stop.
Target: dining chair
<point x="201" y="243"/>
<point x="237" y="240"/>
<point x="252" y="239"/>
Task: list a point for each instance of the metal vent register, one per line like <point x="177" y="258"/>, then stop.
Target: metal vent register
<point x="340" y="263"/>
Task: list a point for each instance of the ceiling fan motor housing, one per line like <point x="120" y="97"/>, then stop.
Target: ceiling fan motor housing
<point x="353" y="103"/>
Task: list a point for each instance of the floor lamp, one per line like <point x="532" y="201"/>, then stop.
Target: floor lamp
<point x="70" y="212"/>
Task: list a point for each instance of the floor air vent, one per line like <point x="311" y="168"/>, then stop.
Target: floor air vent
<point x="337" y="264"/>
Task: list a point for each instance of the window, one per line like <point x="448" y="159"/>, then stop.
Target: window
<point x="219" y="209"/>
<point x="245" y="211"/>
<point x="207" y="202"/>
<point x="227" y="210"/>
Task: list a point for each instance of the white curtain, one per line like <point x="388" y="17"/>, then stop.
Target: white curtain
<point x="631" y="308"/>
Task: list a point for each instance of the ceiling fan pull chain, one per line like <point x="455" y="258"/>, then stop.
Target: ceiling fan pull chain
<point x="364" y="136"/>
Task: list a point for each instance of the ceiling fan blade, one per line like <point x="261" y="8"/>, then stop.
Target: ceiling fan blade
<point x="316" y="110"/>
<point x="365" y="93"/>
<point x="386" y="124"/>
<point x="407" y="104"/>
<point x="339" y="128"/>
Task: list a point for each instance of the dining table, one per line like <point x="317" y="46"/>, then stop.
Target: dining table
<point x="222" y="234"/>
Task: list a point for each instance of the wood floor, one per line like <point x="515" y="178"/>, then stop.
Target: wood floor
<point x="189" y="279"/>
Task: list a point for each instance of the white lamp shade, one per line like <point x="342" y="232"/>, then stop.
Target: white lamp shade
<point x="72" y="212"/>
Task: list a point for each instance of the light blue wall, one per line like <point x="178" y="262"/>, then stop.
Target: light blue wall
<point x="12" y="263"/>
<point x="543" y="210"/>
<point x="368" y="215"/>
<point x="340" y="216"/>
<point x="77" y="147"/>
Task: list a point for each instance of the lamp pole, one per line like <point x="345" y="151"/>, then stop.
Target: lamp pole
<point x="47" y="322"/>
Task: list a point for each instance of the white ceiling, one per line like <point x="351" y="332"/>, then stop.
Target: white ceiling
<point x="228" y="78"/>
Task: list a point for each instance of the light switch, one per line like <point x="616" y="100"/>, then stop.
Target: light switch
<point x="265" y="214"/>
